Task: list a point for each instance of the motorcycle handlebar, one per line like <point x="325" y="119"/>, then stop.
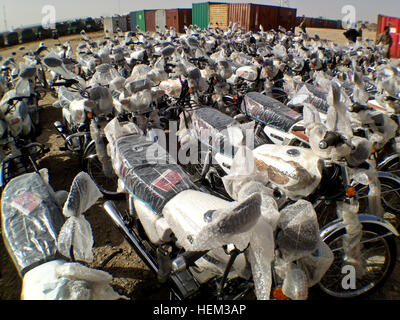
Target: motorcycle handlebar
<point x="330" y="139"/>
<point x="356" y="107"/>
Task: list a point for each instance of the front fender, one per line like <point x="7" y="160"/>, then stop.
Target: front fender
<point x="337" y="225"/>
<point x="381" y="165"/>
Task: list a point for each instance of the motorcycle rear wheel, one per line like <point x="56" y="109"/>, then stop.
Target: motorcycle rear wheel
<point x="379" y="252"/>
<point x="107" y="186"/>
<point x="390" y="196"/>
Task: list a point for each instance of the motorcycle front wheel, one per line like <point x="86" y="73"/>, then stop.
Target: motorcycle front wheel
<point x="378" y="252"/>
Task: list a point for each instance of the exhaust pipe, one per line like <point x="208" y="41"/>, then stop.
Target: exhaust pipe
<point x="60" y="128"/>
<point x="115" y="215"/>
<point x="181" y="278"/>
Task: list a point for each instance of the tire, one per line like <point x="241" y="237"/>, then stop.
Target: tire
<point x="389" y="194"/>
<point x="93" y="167"/>
<point x="386" y="244"/>
<point x="393" y="167"/>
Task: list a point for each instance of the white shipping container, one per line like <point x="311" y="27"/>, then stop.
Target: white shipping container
<point x="160" y="20"/>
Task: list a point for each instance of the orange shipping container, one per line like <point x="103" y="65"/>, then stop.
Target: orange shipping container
<point x="150" y="19"/>
<point x="394" y="24"/>
<point x="178" y="18"/>
<point x="218" y="15"/>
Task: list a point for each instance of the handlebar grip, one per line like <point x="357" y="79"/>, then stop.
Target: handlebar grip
<point x="356" y="107"/>
<point x="330" y="139"/>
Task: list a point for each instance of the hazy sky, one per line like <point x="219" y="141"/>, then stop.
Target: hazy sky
<point x="27" y="12"/>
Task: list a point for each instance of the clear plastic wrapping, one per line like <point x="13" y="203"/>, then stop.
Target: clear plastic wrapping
<point x="351" y="240"/>
<point x="101" y="150"/>
<point x="270" y="111"/>
<point x="261" y="255"/>
<point x="82" y="195"/>
<point x="146" y="169"/>
<point x="31" y="221"/>
<point x="61" y="280"/>
<point x="312" y="95"/>
<point x="298" y="230"/>
<point x="209" y="123"/>
<point x="76" y="233"/>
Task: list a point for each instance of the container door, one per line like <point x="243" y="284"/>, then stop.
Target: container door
<point x="160" y="20"/>
<point x="140" y="21"/>
<point x="240" y="13"/>
<point x="218" y="15"/>
<point x="200" y="15"/>
<point x="133" y="21"/>
<point x="150" y="16"/>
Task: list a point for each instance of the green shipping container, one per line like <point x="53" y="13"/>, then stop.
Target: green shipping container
<point x="200" y="15"/>
<point x="140" y="20"/>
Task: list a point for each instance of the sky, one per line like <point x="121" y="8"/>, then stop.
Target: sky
<point x="29" y="12"/>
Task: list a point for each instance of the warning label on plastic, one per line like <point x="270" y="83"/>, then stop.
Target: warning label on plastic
<point x="167" y="180"/>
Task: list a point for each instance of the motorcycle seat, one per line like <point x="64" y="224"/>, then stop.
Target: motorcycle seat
<point x="148" y="172"/>
<point x="31" y="221"/>
<point x="212" y="123"/>
<point x="66" y="97"/>
<point x="269" y="111"/>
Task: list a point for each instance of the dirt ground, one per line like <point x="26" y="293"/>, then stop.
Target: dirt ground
<point x="131" y="277"/>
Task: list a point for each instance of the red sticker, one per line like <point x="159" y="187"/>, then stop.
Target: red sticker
<point x="168" y="180"/>
<point x="26" y="202"/>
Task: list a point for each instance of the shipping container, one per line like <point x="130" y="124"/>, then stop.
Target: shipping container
<point x="178" y="18"/>
<point x="133" y="21"/>
<point x="287" y="18"/>
<point x="27" y="35"/>
<point x="140" y="20"/>
<point x="160" y="20"/>
<point x="12" y="39"/>
<point x="251" y="16"/>
<point x="200" y="14"/>
<point x="111" y="24"/>
<point x="62" y="28"/>
<point x="242" y="13"/>
<point x="267" y="16"/>
<point x="2" y="41"/>
<point x="394" y="24"/>
<point x="42" y="33"/>
<point x="218" y="15"/>
<point x="149" y="16"/>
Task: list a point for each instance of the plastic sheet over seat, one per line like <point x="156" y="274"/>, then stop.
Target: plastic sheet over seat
<point x="31" y="221"/>
<point x="270" y="111"/>
<point x="148" y="171"/>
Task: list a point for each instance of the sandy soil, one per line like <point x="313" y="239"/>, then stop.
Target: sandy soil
<point x="131" y="277"/>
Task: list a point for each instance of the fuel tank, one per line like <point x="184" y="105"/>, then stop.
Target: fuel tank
<point x="295" y="170"/>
